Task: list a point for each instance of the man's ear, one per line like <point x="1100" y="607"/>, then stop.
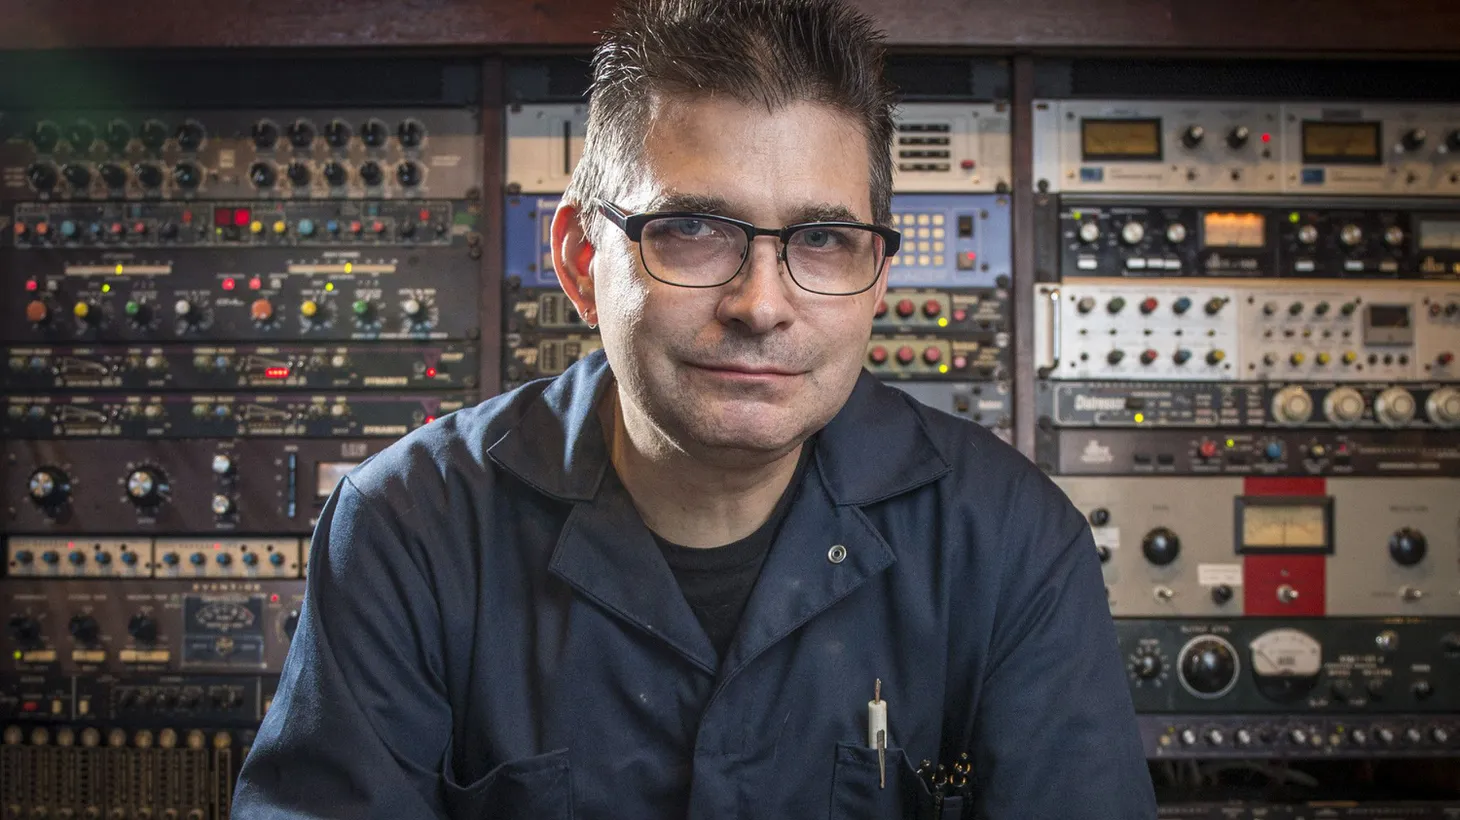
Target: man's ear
<point x="572" y="258"/>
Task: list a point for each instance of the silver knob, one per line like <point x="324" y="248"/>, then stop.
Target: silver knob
<point x="222" y="464"/>
<point x="1215" y="737"/>
<point x="1132" y="232"/>
<point x="140" y="484"/>
<point x="1298" y="737"/>
<point x="1344" y="406"/>
<point x="1089" y="232"/>
<point x="1440" y="734"/>
<point x="1188" y="737"/>
<point x="1308" y="234"/>
<point x="1350" y="235"/>
<point x="222" y="505"/>
<point x="1292" y="405"/>
<point x="411" y="307"/>
<point x="1443" y="407"/>
<point x="1393" y="236"/>
<point x="1387" y="641"/>
<point x="1287" y="594"/>
<point x="1176" y="233"/>
<point x="1394" y="407"/>
<point x="183" y="308"/>
<point x="1244" y="737"/>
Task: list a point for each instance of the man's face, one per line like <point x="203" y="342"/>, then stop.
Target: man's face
<point x="758" y="364"/>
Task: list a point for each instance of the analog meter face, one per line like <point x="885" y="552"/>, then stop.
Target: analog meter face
<point x="1286" y="653"/>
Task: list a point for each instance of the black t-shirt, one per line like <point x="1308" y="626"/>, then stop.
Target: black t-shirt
<point x="717" y="581"/>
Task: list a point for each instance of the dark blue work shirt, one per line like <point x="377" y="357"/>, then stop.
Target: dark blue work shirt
<point x="491" y="632"/>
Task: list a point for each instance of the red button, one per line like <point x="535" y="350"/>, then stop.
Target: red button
<point x="878" y="355"/>
<point x="117" y="229"/>
<point x="967" y="165"/>
<point x="42" y="228"/>
<point x="1208" y="449"/>
<point x="906" y="354"/>
<point x="1149" y="356"/>
<point x="932" y="308"/>
<point x="1149" y="305"/>
<point x="960" y="362"/>
<point x="21" y="228"/>
<point x="881" y="309"/>
<point x="378" y="226"/>
<point x="30" y="706"/>
<point x="425" y="214"/>
<point x="140" y="228"/>
<point x="905" y="308"/>
<point x="356" y="227"/>
<point x="932" y="355"/>
<point x="959" y="314"/>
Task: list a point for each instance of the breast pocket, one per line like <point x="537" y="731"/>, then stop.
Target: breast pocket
<point x="857" y="791"/>
<point x="530" y="788"/>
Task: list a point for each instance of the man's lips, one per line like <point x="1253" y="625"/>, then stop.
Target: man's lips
<point x="746" y="369"/>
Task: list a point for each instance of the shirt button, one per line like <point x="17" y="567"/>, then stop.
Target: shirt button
<point x="836" y="554"/>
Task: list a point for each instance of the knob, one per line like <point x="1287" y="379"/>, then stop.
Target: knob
<point x="1221" y="594"/>
<point x="187" y="175"/>
<point x="1115" y="305"/>
<point x="1208" y="666"/>
<point x="1214" y="305"/>
<point x="1387" y="641"/>
<point x="1193" y="135"/>
<point x="1085" y="305"/>
<point x="1292" y="405"/>
<point x="223" y="558"/>
<point x="42" y="176"/>
<point x="1394" y="407"/>
<point x="222" y="505"/>
<point x="408" y="174"/>
<point x="1394" y="236"/>
<point x="25" y="630"/>
<point x="148" y="175"/>
<point x="1216" y="357"/>
<point x="1385" y="735"/>
<point x="1243" y="737"/>
<point x="905" y="308"/>
<point x="1099" y="517"/>
<point x="1148" y="356"/>
<point x="1214" y="737"/>
<point x="1161" y="546"/>
<point x="145" y="486"/>
<point x="1343" y="406"/>
<point x="142" y="628"/>
<point x="371" y="174"/>
<point x="44" y="136"/>
<point x="1103" y="553"/>
<point x="337" y="133"/>
<point x="1176" y="233"/>
<point x="185" y="310"/>
<point x="1181" y="306"/>
<point x="1350" y="235"/>
<point x="364" y="310"/>
<point x="411" y="133"/>
<point x="49" y="487"/>
<point x="113" y="175"/>
<point x="1407" y="546"/>
<point x="1238" y="136"/>
<point x="153" y="134"/>
<point x="265" y="135"/>
<point x="85" y="629"/>
<point x="77" y="175"/>
<point x="262" y="175"/>
<point x="1414" y="139"/>
<point x="1443" y="407"/>
<point x="1131" y="233"/>
<point x="1422" y="690"/>
<point x="117" y="135"/>
<point x="299" y="174"/>
<point x="1295" y="309"/>
<point x="374" y="133"/>
<point x="335" y="174"/>
<point x="414" y="309"/>
<point x="301" y="134"/>
<point x="1149" y="305"/>
<point x="311" y="310"/>
<point x="1147" y="665"/>
<point x="1298" y="737"/>
<point x="262" y="310"/>
<point x="1089" y="232"/>
<point x="1115" y="356"/>
<point x="190" y="135"/>
<point x="1308" y="234"/>
<point x="222" y="465"/>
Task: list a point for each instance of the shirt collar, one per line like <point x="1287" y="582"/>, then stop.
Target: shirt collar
<point x="877" y="446"/>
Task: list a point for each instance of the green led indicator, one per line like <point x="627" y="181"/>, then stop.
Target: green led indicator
<point x="361" y="307"/>
<point x="132" y="308"/>
<point x="1293" y="217"/>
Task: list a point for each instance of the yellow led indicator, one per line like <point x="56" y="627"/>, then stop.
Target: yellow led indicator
<point x="329" y="286"/>
<point x="1293" y="217"/>
<point x="349" y="267"/>
<point x="119" y="270"/>
<point x="1140" y="417"/>
<point x="256" y="226"/>
<point x="280" y="227"/>
<point x="1231" y="443"/>
<point x="106" y="288"/>
<point x="1075" y="215"/>
<point x="942" y="368"/>
<point x="942" y="321"/>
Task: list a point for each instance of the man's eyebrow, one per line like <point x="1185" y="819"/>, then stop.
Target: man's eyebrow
<point x="719" y="206"/>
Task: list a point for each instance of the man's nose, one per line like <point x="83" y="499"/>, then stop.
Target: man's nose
<point x="760" y="298"/>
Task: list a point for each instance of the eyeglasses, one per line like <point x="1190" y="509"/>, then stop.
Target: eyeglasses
<point x="693" y="250"/>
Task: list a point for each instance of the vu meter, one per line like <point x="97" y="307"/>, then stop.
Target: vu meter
<point x="1286" y="663"/>
<point x="1268" y="523"/>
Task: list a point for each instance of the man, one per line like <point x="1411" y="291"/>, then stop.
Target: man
<point x="668" y="583"/>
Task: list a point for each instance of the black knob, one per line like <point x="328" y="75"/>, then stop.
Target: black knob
<point x="1099" y="517"/>
<point x="153" y="135"/>
<point x="187" y="175"/>
<point x="374" y="133"/>
<point x="335" y="174"/>
<point x="291" y="623"/>
<point x="337" y="133"/>
<point x="1414" y="139"/>
<point x="49" y="487"/>
<point x="409" y="174"/>
<point x="115" y="176"/>
<point x="1115" y="356"/>
<point x="1115" y="305"/>
<point x="411" y="132"/>
<point x="1237" y="137"/>
<point x="1422" y="690"/>
<point x="1103" y="553"/>
<point x="1451" y="643"/>
<point x="299" y="174"/>
<point x="1221" y="594"/>
<point x="371" y="174"/>
<point x="1161" y="546"/>
<point x="145" y="486"/>
<point x="42" y="176"/>
<point x="1193" y="136"/>
<point x="1407" y="546"/>
<point x="301" y="134"/>
<point x="118" y="136"/>
<point x="1214" y="305"/>
<point x="190" y="135"/>
<point x="44" y="136"/>
<point x="1147" y="665"/>
<point x="77" y="175"/>
<point x="265" y="135"/>
<point x="84" y="629"/>
<point x="1208" y="665"/>
<point x="25" y="630"/>
<point x="1342" y="690"/>
<point x="142" y="628"/>
<point x="148" y="175"/>
<point x="262" y="175"/>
